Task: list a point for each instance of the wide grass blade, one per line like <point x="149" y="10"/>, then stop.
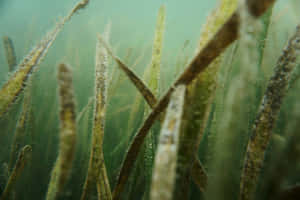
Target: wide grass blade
<point x="200" y="94"/>
<point x="164" y="172"/>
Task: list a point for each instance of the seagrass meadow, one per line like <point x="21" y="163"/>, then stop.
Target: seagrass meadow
<point x="150" y="100"/>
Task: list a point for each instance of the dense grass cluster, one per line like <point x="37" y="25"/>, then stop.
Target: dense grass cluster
<point x="226" y="128"/>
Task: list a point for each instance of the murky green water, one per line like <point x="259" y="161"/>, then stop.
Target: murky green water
<point x="133" y="26"/>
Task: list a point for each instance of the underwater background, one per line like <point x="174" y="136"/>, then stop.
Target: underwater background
<point x="133" y="25"/>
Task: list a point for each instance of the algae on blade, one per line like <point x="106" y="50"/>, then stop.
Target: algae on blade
<point x="11" y="90"/>
<point x="267" y="115"/>
<point x="96" y="174"/>
<point x="285" y="162"/>
<point x="67" y="142"/>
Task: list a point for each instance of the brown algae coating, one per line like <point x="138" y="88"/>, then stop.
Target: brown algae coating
<point x="17" y="82"/>
<point x="63" y="165"/>
<point x="10" y="53"/>
<point x="267" y="116"/>
<point x="23" y="158"/>
<point x="166" y="157"/>
<point x="67" y="123"/>
<point x="227" y="34"/>
<point x="97" y="175"/>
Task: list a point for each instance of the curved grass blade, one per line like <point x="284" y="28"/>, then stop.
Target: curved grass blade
<point x="139" y="84"/>
<point x="16" y="84"/>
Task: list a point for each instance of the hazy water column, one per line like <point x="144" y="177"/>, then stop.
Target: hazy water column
<point x="133" y="23"/>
